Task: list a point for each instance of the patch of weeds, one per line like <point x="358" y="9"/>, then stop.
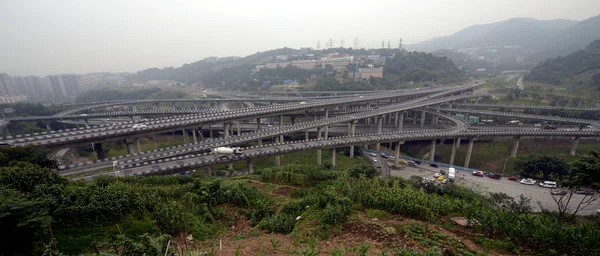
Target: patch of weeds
<point x="274" y="243"/>
<point x="252" y="233"/>
<point x="374" y="213"/>
<point x="494" y="244"/>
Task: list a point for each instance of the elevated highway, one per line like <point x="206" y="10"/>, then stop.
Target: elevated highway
<point x="103" y="134"/>
<point x="556" y="119"/>
<point x="206" y="159"/>
<point x="535" y="107"/>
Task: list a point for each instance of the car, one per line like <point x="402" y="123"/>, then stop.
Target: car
<point x="433" y="165"/>
<point x="360" y="97"/>
<point x="513" y="178"/>
<point x="478" y="174"/>
<point x="139" y="126"/>
<point x="83" y="115"/>
<point x="548" y="184"/>
<point x="558" y="192"/>
<point x="437" y="175"/>
<point x="374" y="160"/>
<point x="585" y="191"/>
<point x="117" y="126"/>
<point x="412" y="163"/>
<point x="6" y="144"/>
<point x="402" y="161"/>
<point x="443" y="177"/>
<point x="444" y="181"/>
<point x="495" y="176"/>
<point x="527" y="182"/>
<point x="302" y="102"/>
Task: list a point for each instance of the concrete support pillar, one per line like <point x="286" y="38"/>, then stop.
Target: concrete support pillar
<point x="237" y="126"/>
<point x="333" y="157"/>
<point x="207" y="171"/>
<point x="201" y="131"/>
<point x="453" y="154"/>
<point x="173" y="104"/>
<point x="306" y="136"/>
<point x="250" y="166"/>
<point x="477" y="100"/>
<point x="226" y="128"/>
<point x="129" y="145"/>
<point x="210" y="131"/>
<point x="277" y="158"/>
<point x="258" y="123"/>
<point x="379" y="123"/>
<point x="185" y="138"/>
<point x="422" y="119"/>
<point x="458" y="143"/>
<point x="401" y="121"/>
<point x="319" y="150"/>
<point x="133" y="108"/>
<point x="139" y="148"/>
<point x="326" y="126"/>
<point x="99" y="151"/>
<point x="397" y="153"/>
<point x="415" y="117"/>
<point x="280" y="121"/>
<point x="513" y="152"/>
<point x="574" y="146"/>
<point x="432" y="150"/>
<point x="469" y="151"/>
<point x="194" y="136"/>
<point x="47" y="123"/>
<point x="397" y="115"/>
<point x="352" y="129"/>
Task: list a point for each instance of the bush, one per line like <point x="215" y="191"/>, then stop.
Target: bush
<point x="280" y="223"/>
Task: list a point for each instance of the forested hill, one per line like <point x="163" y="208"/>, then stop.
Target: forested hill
<point x="420" y="67"/>
<point x="194" y="71"/>
<point x="581" y="68"/>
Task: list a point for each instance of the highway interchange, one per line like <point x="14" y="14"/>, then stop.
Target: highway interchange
<point x="381" y="114"/>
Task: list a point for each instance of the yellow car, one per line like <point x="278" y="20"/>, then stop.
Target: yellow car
<point x="402" y="161"/>
<point x="443" y="177"/>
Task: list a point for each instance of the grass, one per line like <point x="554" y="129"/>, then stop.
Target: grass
<point x="374" y="213"/>
<point x="146" y="144"/>
<point x="306" y="157"/>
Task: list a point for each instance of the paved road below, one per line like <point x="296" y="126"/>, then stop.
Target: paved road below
<point x="511" y="188"/>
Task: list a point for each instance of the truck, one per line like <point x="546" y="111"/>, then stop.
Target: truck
<point x="451" y="173"/>
<point x="226" y="151"/>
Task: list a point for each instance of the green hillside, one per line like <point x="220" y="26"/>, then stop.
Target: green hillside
<point x="580" y="69"/>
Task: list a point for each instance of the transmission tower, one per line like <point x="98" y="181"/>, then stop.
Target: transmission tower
<point x="318" y="45"/>
<point x="342" y="43"/>
<point x="330" y="43"/>
<point x="400" y="44"/>
<point x="356" y="43"/>
<point x="382" y="44"/>
<point x="388" y="44"/>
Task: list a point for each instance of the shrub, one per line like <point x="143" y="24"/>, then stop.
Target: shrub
<point x="280" y="223"/>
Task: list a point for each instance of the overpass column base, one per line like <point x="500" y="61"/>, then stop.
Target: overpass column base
<point x="401" y="121"/>
<point x="99" y="151"/>
<point x="139" y="148"/>
<point x="453" y="154"/>
<point x="250" y="166"/>
<point x="432" y="150"/>
<point x="574" y="146"/>
<point x="458" y="143"/>
<point x="333" y="157"/>
<point x="397" y="154"/>
<point x="207" y="171"/>
<point x="422" y="119"/>
<point x="469" y="151"/>
<point x="513" y="152"/>
<point x="229" y="166"/>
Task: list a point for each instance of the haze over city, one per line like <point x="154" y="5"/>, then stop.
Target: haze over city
<point x="52" y="37"/>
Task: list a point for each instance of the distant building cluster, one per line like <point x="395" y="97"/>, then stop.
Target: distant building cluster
<point x="32" y="88"/>
<point x="334" y="60"/>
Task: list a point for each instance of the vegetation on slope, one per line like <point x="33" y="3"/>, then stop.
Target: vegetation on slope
<point x="581" y="68"/>
<point x="109" y="94"/>
<point x="41" y="212"/>
<point x="419" y="67"/>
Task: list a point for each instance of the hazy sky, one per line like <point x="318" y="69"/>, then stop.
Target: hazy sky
<point x="44" y="37"/>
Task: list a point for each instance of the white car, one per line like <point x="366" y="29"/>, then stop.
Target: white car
<point x="138" y="126"/>
<point x="548" y="184"/>
<point x="302" y="102"/>
<point x="528" y="182"/>
<point x="437" y="175"/>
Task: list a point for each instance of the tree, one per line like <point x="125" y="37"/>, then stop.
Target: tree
<point x="540" y="164"/>
<point x="584" y="174"/>
<point x="23" y="223"/>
